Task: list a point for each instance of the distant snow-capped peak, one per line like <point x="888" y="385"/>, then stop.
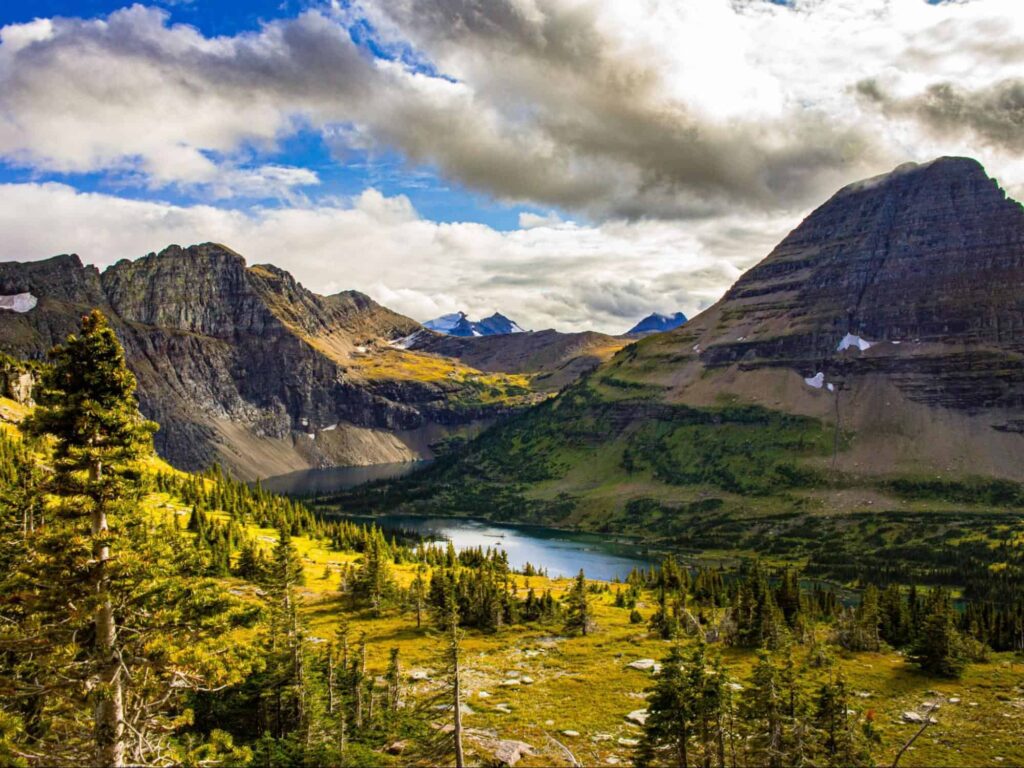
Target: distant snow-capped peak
<point x="458" y="324"/>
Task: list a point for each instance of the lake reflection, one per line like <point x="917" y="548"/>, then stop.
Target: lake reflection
<point x="562" y="553"/>
<point x="315" y="482"/>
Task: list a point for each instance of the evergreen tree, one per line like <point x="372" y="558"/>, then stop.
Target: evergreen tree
<point x="374" y="583"/>
<point x="87" y="402"/>
<point x="843" y="745"/>
<point x="670" y="714"/>
<point x="939" y="648"/>
<point x="113" y="629"/>
<point x="763" y="708"/>
<point x="418" y="592"/>
<point x="579" y="617"/>
<point x="858" y="629"/>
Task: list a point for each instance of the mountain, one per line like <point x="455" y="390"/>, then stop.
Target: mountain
<point x="557" y="359"/>
<point x="872" y="362"/>
<point x="656" y="323"/>
<point x="244" y="366"/>
<point x="458" y="324"/>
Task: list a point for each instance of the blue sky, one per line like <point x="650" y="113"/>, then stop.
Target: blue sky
<point x="345" y="174"/>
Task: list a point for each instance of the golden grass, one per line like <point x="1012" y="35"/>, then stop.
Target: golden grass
<point x="584" y="684"/>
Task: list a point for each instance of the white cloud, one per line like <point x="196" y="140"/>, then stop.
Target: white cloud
<point x="636" y="108"/>
<point x="568" y="276"/>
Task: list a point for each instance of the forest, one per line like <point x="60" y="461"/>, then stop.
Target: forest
<point x="154" y="617"/>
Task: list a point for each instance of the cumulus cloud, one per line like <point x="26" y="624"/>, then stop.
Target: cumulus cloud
<point x="612" y="108"/>
<point x="991" y="116"/>
<point x="560" y="275"/>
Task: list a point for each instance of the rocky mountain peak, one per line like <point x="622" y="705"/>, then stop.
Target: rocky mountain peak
<point x="656" y="323"/>
<point x="459" y="324"/>
<point x="60" y="278"/>
<point x="930" y="252"/>
<point x="200" y="289"/>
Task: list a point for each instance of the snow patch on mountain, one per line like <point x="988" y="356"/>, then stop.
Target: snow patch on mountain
<point x="459" y="324"/>
<point x="446" y="323"/>
<point x="851" y="340"/>
<point x="406" y="342"/>
<point x="18" y="302"/>
<point x="657" y="323"/>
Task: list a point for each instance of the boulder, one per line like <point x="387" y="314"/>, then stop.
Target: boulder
<point x="644" y="665"/>
<point x="509" y="752"/>
<point x="638" y="716"/>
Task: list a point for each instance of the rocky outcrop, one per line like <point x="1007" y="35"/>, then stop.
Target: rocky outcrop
<point x="17" y="381"/>
<point x="243" y="365"/>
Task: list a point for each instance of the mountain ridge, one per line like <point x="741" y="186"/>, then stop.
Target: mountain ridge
<point x="458" y="324"/>
<point x="876" y="350"/>
<point x="244" y="366"/>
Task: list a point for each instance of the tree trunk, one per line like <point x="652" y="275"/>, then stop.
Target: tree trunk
<point x="457" y="697"/>
<point x="330" y="680"/>
<point x="108" y="713"/>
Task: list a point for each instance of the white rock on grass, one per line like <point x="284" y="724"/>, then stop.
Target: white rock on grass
<point x="917" y="718"/>
<point x="624" y="742"/>
<point x="508" y="751"/>
<point x="483" y="694"/>
<point x="638" y="716"/>
<point x="644" y="665"/>
<point x="571" y="734"/>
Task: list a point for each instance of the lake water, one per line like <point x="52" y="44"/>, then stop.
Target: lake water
<point x="314" y="482"/>
<point x="562" y="553"/>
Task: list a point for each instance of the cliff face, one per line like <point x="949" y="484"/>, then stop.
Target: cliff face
<point x="916" y="276"/>
<point x="244" y="366"/>
<point x="929" y="253"/>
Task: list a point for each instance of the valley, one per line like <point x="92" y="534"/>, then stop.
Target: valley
<point x="511" y="384"/>
<point x="792" y="523"/>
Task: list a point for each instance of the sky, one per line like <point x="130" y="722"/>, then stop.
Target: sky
<point x="571" y="163"/>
